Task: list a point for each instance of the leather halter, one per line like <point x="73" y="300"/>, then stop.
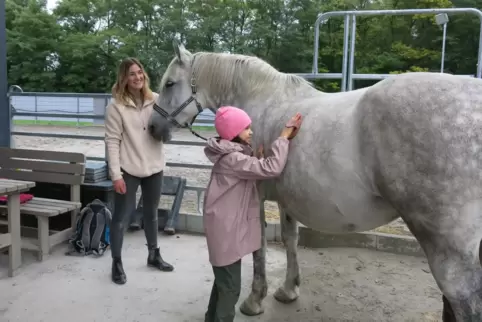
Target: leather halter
<point x="172" y="117"/>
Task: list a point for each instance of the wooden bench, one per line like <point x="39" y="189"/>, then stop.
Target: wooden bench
<point x="51" y="167"/>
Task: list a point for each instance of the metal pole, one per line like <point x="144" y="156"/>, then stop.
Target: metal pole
<point x="105" y="145"/>
<point x="314" y="69"/>
<point x="479" y="58"/>
<point x="78" y="111"/>
<point x="5" y="120"/>
<point x="352" y="53"/>
<point x="346" y="35"/>
<point x="36" y="110"/>
<point x="443" y="48"/>
<point x="325" y="16"/>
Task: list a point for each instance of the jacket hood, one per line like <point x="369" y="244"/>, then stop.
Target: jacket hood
<point x="217" y="148"/>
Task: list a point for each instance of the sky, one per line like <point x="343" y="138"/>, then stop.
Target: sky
<point x="51" y="4"/>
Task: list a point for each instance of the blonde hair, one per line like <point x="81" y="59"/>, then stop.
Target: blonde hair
<point x="120" y="91"/>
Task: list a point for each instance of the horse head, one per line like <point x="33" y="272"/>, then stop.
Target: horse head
<point x="179" y="101"/>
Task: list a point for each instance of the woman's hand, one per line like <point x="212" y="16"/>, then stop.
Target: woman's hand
<point x="292" y="127"/>
<point x="120" y="186"/>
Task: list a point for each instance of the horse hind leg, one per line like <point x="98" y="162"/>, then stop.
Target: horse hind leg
<point x="454" y="259"/>
<point x="289" y="292"/>
<point x="460" y="281"/>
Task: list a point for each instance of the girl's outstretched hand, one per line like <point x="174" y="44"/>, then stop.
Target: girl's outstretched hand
<point x="292" y="127"/>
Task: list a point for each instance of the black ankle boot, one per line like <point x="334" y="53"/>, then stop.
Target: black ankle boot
<point x="155" y="260"/>
<point x="118" y="274"/>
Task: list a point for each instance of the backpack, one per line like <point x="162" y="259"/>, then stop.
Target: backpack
<point x="92" y="234"/>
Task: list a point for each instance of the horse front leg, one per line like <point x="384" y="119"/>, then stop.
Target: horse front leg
<point x="253" y="303"/>
<point x="289" y="234"/>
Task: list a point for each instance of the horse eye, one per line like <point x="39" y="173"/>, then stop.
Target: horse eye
<point x="169" y="84"/>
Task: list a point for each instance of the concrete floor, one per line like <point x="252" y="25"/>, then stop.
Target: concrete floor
<point x="336" y="285"/>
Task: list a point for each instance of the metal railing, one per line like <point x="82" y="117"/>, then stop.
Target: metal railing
<point x="347" y="75"/>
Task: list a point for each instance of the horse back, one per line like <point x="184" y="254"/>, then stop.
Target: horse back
<point x="420" y="139"/>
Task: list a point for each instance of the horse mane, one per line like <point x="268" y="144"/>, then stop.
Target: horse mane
<point x="250" y="75"/>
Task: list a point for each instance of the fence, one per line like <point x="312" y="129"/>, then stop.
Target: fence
<point x="41" y="107"/>
<point x="96" y="115"/>
<point x="347" y="75"/>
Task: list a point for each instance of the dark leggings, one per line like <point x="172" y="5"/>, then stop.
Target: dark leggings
<point x="125" y="204"/>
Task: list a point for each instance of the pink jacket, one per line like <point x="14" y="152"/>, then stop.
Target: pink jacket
<point x="231" y="204"/>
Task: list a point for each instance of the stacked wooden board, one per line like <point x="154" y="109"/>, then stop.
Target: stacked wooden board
<point x="95" y="172"/>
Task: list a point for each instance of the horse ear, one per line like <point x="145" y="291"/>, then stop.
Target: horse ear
<point x="178" y="49"/>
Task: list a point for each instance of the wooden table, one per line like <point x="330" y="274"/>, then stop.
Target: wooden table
<point x="13" y="188"/>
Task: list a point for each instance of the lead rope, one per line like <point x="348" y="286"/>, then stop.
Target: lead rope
<point x="195" y="134"/>
<point x="189" y="126"/>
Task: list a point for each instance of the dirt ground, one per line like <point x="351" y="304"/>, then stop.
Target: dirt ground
<point x="174" y="153"/>
<point x="338" y="284"/>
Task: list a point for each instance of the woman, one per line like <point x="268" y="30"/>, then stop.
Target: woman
<point x="134" y="158"/>
<point x="231" y="205"/>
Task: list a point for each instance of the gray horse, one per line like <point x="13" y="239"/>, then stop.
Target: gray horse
<point x="409" y="146"/>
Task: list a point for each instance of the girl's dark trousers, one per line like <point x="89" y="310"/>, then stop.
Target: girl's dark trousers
<point x="225" y="293"/>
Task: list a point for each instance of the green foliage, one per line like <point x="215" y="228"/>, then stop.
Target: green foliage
<point x="77" y="47"/>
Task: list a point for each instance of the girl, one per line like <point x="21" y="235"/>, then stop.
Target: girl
<point x="134" y="158"/>
<point x="231" y="205"/>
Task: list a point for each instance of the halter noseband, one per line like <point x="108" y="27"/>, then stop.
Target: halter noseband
<point x="172" y="117"/>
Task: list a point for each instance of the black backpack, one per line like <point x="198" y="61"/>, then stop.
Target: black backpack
<point x="92" y="235"/>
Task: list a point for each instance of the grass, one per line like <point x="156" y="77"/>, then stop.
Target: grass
<point x="81" y="123"/>
<point x="204" y="128"/>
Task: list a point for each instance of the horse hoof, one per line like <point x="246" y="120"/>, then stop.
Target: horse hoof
<point x="250" y="308"/>
<point x="284" y="296"/>
<point x="169" y="231"/>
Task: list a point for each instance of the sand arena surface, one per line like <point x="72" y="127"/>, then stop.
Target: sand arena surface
<point x="339" y="284"/>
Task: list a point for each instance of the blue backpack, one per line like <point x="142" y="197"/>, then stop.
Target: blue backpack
<point x="92" y="235"/>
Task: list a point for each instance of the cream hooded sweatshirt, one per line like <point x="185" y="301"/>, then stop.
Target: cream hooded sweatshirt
<point x="129" y="144"/>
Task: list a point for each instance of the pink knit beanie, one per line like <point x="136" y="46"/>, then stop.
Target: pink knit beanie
<point x="230" y="121"/>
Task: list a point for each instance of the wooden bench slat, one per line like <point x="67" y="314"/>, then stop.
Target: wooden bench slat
<point x="25" y="209"/>
<point x="16" y="182"/>
<point x="18" y="186"/>
<point x="46" y="209"/>
<point x="7" y="186"/>
<point x="55" y="205"/>
<point x="42" y="176"/>
<point x="55" y="201"/>
<point x="43" y="155"/>
<point x="42" y="166"/>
